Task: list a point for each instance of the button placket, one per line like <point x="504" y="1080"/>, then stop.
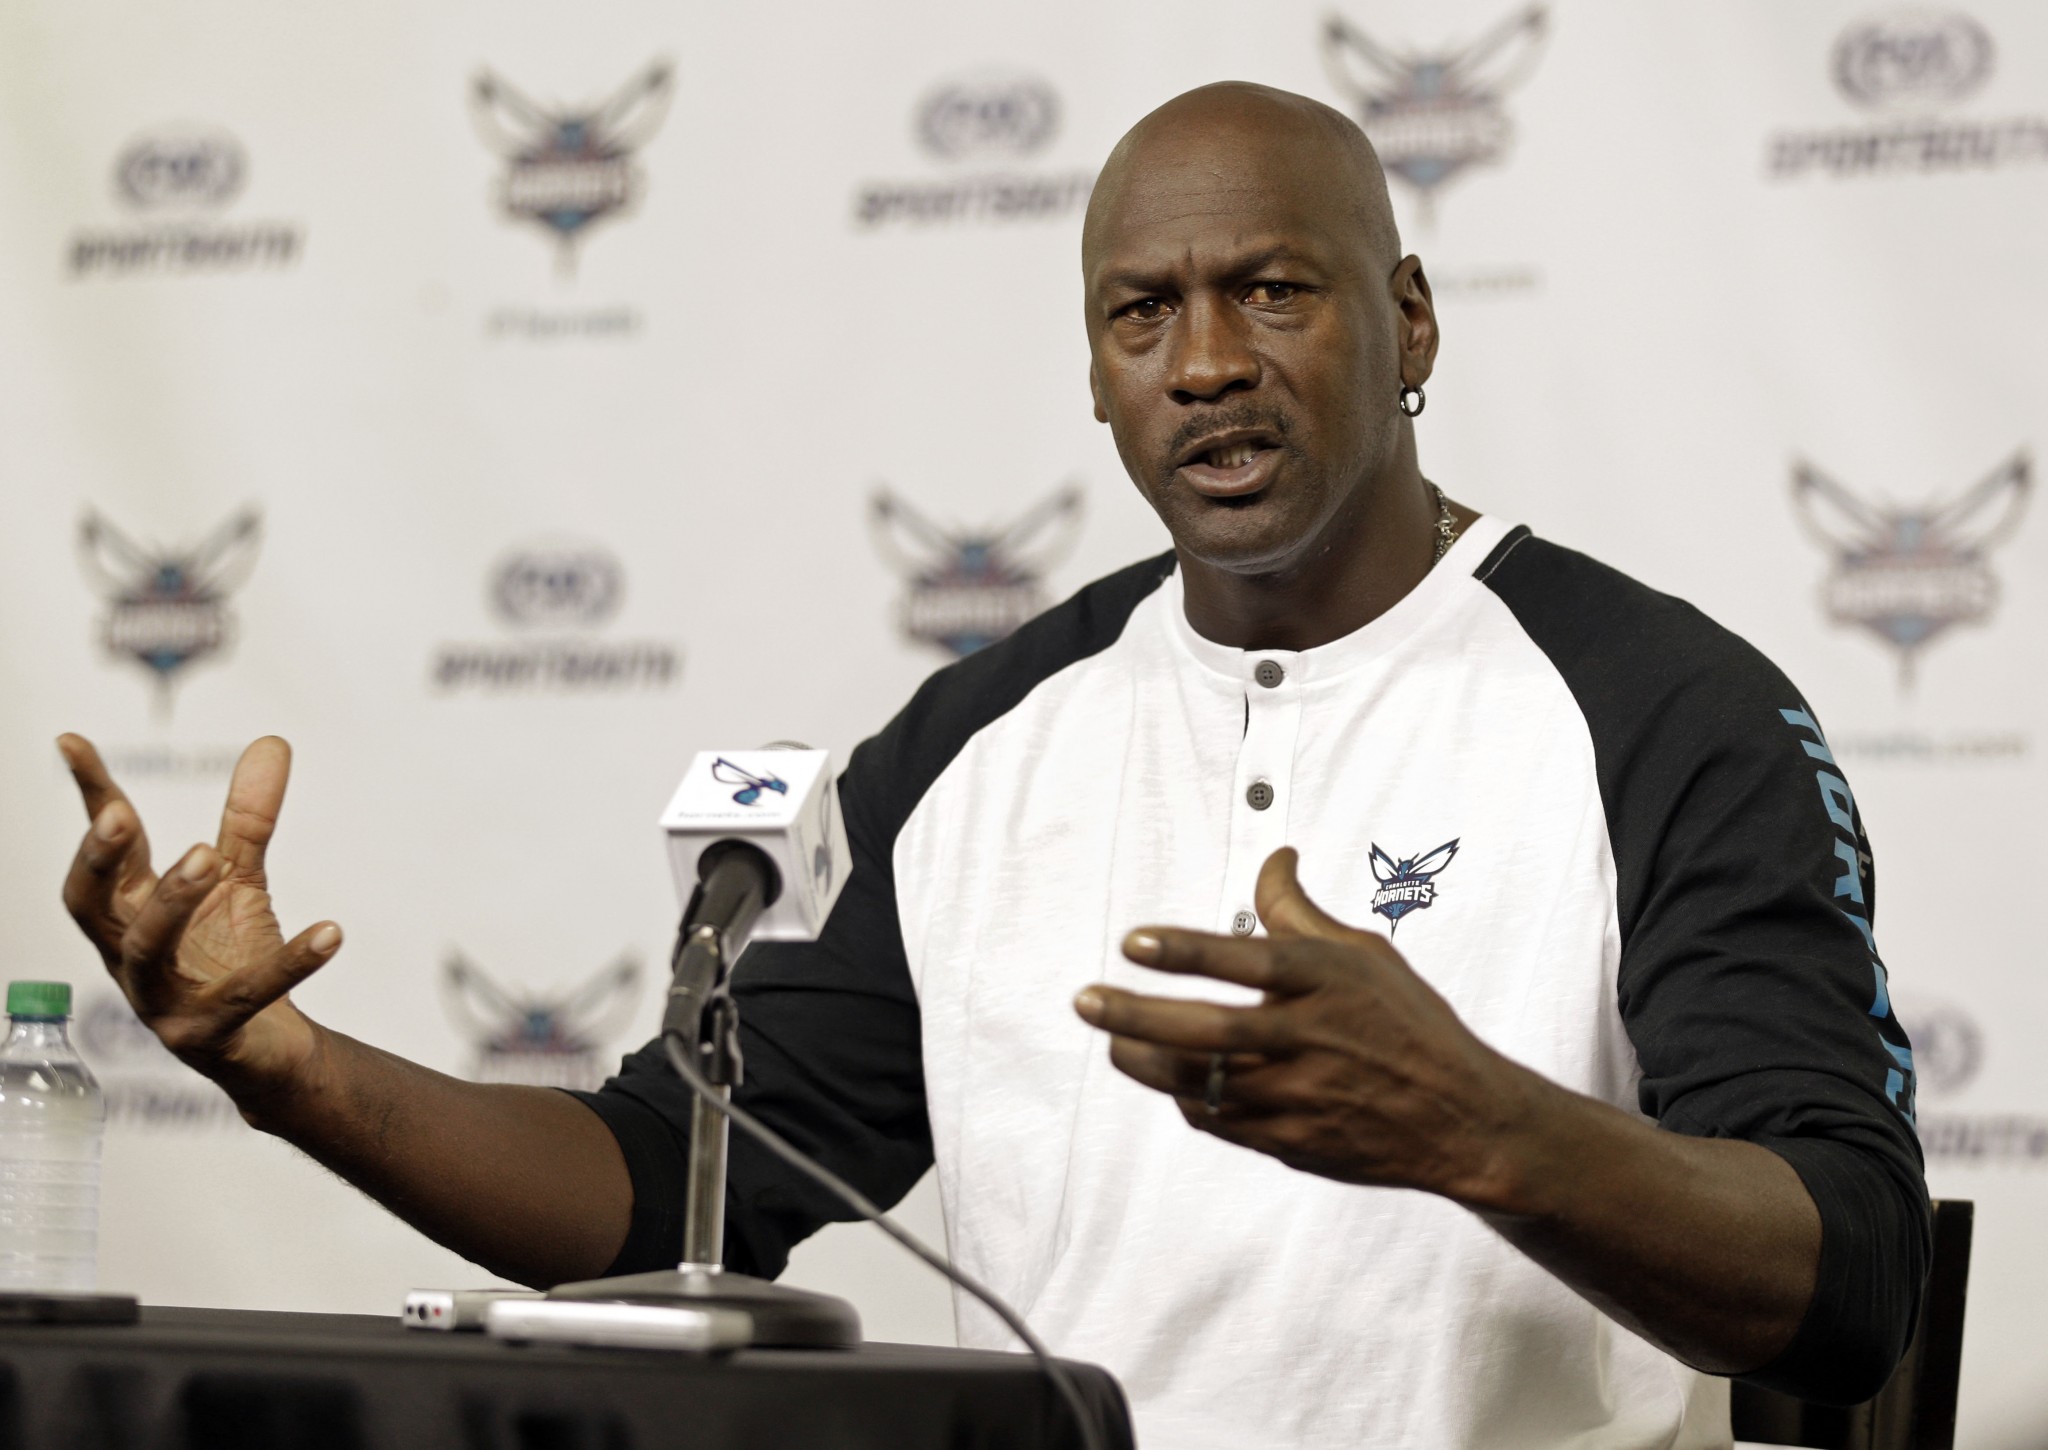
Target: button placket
<point x="1265" y="773"/>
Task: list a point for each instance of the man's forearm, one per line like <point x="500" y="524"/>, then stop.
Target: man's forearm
<point x="1708" y="1247"/>
<point x="525" y="1181"/>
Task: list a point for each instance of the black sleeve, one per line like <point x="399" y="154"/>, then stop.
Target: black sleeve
<point x="830" y="1029"/>
<point x="1750" y="983"/>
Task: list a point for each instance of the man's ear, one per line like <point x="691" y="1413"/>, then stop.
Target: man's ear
<point x="1095" y="392"/>
<point x="1418" y="330"/>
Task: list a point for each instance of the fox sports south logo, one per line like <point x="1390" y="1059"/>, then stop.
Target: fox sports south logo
<point x="167" y="609"/>
<point x="964" y="589"/>
<point x="568" y="168"/>
<point x="567" y="586"/>
<point x="1434" y="114"/>
<point x="1913" y="60"/>
<point x="181" y="169"/>
<point x="1908" y="574"/>
<point x="990" y="116"/>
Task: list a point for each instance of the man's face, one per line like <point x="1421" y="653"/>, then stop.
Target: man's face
<point x="1246" y="347"/>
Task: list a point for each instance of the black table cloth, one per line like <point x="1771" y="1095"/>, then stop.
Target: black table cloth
<point x="218" y="1379"/>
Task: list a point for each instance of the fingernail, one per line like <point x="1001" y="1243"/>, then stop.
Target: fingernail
<point x="196" y="867"/>
<point x="108" y="826"/>
<point x="1088" y="1002"/>
<point x="1142" y="946"/>
<point x="326" y="939"/>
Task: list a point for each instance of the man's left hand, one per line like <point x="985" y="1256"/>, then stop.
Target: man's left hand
<point x="1352" y="1067"/>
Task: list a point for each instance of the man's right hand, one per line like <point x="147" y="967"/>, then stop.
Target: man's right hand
<point x="526" y="1181"/>
<point x="198" y="951"/>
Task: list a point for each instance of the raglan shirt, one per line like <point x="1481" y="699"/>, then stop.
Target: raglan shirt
<point x="1606" y="830"/>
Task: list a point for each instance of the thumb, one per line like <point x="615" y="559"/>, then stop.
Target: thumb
<point x="1284" y="907"/>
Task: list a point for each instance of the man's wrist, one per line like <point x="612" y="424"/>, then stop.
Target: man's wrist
<point x="280" y="1099"/>
<point x="1536" y="1136"/>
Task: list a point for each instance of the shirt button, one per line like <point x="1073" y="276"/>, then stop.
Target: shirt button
<point x="1243" y="923"/>
<point x="1259" y="796"/>
<point x="1269" y="673"/>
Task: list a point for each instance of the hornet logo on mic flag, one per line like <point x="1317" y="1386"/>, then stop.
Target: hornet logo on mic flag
<point x="570" y="168"/>
<point x="750" y="785"/>
<point x="543" y="1040"/>
<point x="1408" y="884"/>
<point x="167" y="607"/>
<point x="1432" y="114"/>
<point x="1909" y="574"/>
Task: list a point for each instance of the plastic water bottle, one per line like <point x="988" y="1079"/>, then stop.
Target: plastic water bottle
<point x="51" y="1119"/>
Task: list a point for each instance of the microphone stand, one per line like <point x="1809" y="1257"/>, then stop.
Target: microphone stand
<point x="737" y="882"/>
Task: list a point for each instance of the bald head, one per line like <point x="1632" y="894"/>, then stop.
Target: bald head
<point x="1234" y="137"/>
<point x="1251" y="324"/>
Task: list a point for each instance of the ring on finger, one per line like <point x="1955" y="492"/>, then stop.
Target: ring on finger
<point x="1212" y="1100"/>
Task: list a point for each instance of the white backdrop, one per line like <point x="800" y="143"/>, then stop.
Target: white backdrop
<point x="496" y="400"/>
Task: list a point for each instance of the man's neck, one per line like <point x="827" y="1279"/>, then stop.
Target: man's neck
<point x="1355" y="569"/>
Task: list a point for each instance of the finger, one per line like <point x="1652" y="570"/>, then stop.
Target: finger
<point x="106" y="860"/>
<point x="242" y="994"/>
<point x="255" y="795"/>
<point x="96" y="784"/>
<point x="151" y="940"/>
<point x="1185" y="1075"/>
<point x="1285" y="908"/>
<point x="1266" y="964"/>
<point x="1179" y="1023"/>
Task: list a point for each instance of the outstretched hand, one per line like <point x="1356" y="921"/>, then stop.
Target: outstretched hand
<point x="198" y="951"/>
<point x="1351" y="1067"/>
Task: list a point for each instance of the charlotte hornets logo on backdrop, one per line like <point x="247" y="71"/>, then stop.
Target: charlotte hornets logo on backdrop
<point x="1433" y="114"/>
<point x="1408" y="884"/>
<point x="167" y="608"/>
<point x="969" y="588"/>
<point x="568" y="169"/>
<point x="1909" y="574"/>
<point x="554" y="1040"/>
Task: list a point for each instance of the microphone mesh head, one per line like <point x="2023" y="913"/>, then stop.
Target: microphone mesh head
<point x="785" y="745"/>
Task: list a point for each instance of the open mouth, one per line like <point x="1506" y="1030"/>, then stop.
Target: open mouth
<point x="1233" y="465"/>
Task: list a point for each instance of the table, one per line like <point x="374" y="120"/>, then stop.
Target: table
<point x="223" y="1379"/>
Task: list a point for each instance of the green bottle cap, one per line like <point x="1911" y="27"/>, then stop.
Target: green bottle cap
<point x="39" y="999"/>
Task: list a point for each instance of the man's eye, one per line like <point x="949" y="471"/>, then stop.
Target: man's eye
<point x="1145" y="309"/>
<point x="1266" y="293"/>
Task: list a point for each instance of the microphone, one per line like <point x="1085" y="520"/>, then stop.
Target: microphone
<point x="783" y="803"/>
<point x="758" y="848"/>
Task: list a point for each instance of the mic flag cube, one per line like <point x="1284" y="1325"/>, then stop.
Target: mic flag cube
<point x="784" y="801"/>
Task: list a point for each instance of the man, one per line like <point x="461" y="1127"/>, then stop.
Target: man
<point x="1498" y="855"/>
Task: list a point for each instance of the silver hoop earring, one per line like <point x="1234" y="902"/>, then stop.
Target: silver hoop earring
<point x="1410" y="401"/>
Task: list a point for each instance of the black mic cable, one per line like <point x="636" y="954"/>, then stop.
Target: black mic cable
<point x="679" y="1051"/>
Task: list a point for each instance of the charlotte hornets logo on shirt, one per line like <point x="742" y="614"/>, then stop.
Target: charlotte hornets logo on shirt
<point x="1408" y="884"/>
<point x="569" y="168"/>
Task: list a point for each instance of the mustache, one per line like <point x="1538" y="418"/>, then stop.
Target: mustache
<point x="1218" y="420"/>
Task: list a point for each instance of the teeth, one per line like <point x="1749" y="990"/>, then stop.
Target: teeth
<point x="1237" y="455"/>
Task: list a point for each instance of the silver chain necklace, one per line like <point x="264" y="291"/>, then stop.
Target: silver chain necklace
<point x="1446" y="526"/>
